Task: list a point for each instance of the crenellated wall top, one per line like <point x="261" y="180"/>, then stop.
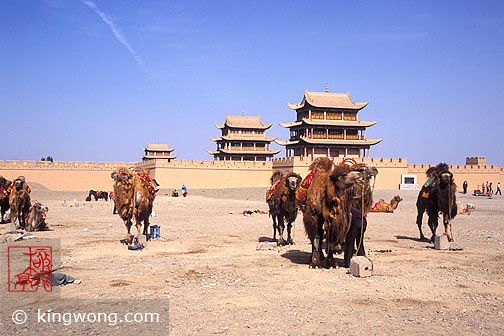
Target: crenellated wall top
<point x="84" y="165"/>
<point x="421" y="168"/>
<point x="382" y="162"/>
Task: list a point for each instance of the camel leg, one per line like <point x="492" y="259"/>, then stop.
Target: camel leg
<point x="317" y="246"/>
<point x="433" y="224"/>
<point x="274" y="227"/>
<point x="330" y="262"/>
<point x="128" y="225"/>
<point x="138" y="225"/>
<point x="281" y="227"/>
<point x="146" y="225"/>
<point x="446" y="222"/>
<point x="289" y="237"/>
<point x="420" y="212"/>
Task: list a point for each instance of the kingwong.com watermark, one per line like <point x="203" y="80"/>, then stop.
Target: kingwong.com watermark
<point x="68" y="318"/>
<point x="84" y="316"/>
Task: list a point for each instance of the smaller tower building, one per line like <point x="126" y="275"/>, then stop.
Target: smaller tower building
<point x="158" y="152"/>
<point x="243" y="139"/>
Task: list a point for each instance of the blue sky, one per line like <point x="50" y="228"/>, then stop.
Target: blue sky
<point x="98" y="80"/>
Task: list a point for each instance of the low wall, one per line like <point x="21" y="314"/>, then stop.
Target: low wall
<point x="475" y="175"/>
<point x="61" y="175"/>
<point x="210" y="174"/>
<point x="82" y="176"/>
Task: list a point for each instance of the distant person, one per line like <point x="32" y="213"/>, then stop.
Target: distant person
<point x="483" y="187"/>
<point x="175" y="193"/>
<point x="490" y="188"/>
<point x="498" y="189"/>
<point x="184" y="190"/>
<point x="464" y="185"/>
<point x="486" y="186"/>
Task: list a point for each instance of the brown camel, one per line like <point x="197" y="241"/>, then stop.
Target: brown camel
<point x="283" y="206"/>
<point x="367" y="173"/>
<point x="19" y="202"/>
<point x="328" y="210"/>
<point x="322" y="163"/>
<point x="440" y="198"/>
<point x="4" y="197"/>
<point x="35" y="220"/>
<point x="132" y="198"/>
<point x="383" y="206"/>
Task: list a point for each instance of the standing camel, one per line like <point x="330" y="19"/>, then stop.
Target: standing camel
<point x="440" y="197"/>
<point x="328" y="203"/>
<point x="284" y="206"/>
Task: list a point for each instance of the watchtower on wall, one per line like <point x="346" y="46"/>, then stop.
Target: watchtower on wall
<point x="476" y="161"/>
<point x="327" y="124"/>
<point x="158" y="152"/>
<point x="243" y="139"/>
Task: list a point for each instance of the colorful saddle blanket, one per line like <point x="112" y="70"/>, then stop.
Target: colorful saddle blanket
<point x="303" y="187"/>
<point x="375" y="206"/>
<point x="3" y="191"/>
<point x="149" y="183"/>
<point x="272" y="191"/>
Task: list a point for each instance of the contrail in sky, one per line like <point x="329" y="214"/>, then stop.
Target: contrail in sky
<point x="115" y="30"/>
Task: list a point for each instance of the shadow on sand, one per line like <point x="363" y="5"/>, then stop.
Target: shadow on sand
<point x="298" y="257"/>
<point x="413" y="238"/>
<point x="265" y="239"/>
<point x="304" y="258"/>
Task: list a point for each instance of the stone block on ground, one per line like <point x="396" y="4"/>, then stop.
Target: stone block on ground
<point x="361" y="266"/>
<point x="441" y="242"/>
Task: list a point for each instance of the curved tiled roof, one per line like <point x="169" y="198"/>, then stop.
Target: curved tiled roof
<point x="366" y="142"/>
<point x="158" y="148"/>
<point x="328" y="99"/>
<point x="358" y="123"/>
<point x="243" y="138"/>
<point x="244" y="122"/>
<point x="237" y="151"/>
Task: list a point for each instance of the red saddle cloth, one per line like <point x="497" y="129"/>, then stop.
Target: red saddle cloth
<point x="4" y="191"/>
<point x="149" y="183"/>
<point x="272" y="190"/>
<point x="303" y="187"/>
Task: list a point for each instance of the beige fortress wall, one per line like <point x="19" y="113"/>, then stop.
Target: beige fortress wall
<point x="209" y="174"/>
<point x="389" y="170"/>
<point x="60" y="175"/>
<point x="473" y="174"/>
<point x="83" y="176"/>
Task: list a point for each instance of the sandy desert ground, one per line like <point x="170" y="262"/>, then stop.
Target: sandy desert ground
<point x="207" y="266"/>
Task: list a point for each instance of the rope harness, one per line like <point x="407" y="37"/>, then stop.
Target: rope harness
<point x="362" y="217"/>
<point x="450" y="209"/>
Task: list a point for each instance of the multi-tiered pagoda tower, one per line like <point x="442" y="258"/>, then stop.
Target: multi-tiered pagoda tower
<point x="243" y="139"/>
<point x="327" y="124"/>
<point x="158" y="152"/>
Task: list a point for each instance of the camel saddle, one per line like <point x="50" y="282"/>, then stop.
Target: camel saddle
<point x="149" y="183"/>
<point x="303" y="187"/>
<point x="272" y="190"/>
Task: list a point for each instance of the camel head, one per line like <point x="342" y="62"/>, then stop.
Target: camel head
<point x="431" y="171"/>
<point x="344" y="177"/>
<point x="366" y="171"/>
<point x="18" y="184"/>
<point x="397" y="198"/>
<point x="122" y="175"/>
<point x="292" y="182"/>
<point x="39" y="209"/>
<point x="277" y="175"/>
